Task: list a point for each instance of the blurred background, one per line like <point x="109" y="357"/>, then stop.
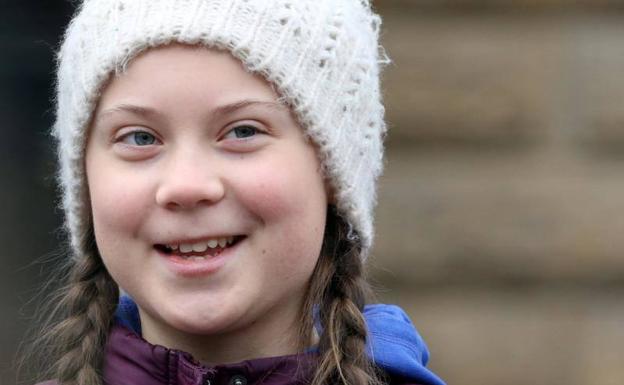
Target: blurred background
<point x="500" y="213"/>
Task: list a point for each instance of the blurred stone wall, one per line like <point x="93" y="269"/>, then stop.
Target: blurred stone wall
<point x="500" y="221"/>
<point x="500" y="212"/>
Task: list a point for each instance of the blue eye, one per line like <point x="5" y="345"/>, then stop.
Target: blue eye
<point x="142" y="138"/>
<point x="244" y="131"/>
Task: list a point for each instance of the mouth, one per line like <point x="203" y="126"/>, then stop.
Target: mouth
<point x="199" y="249"/>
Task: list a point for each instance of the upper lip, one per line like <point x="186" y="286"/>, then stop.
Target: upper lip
<point x="192" y="240"/>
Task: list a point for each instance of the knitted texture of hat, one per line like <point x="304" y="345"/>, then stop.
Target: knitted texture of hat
<point x="322" y="57"/>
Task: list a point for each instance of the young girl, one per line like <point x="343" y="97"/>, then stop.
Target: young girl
<point x="218" y="166"/>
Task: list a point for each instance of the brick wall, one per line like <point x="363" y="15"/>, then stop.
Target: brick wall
<point x="500" y="223"/>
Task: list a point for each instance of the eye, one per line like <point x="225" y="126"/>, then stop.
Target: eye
<point x="242" y="132"/>
<point x="139" y="138"/>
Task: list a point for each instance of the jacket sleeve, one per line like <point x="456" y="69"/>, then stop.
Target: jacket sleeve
<point x="395" y="346"/>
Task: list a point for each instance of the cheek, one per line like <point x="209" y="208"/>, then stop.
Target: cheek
<point x="118" y="202"/>
<point x="291" y="202"/>
<point x="291" y="191"/>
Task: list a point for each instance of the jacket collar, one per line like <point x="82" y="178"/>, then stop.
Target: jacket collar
<point x="132" y="360"/>
<point x="394" y="344"/>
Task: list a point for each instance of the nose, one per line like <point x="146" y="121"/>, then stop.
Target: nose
<point x="188" y="182"/>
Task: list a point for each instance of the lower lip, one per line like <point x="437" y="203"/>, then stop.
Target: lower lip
<point x="192" y="268"/>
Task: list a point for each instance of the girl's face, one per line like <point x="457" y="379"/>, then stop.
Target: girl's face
<point x="208" y="203"/>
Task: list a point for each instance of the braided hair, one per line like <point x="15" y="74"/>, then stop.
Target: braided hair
<point x="337" y="293"/>
<point x="74" y="320"/>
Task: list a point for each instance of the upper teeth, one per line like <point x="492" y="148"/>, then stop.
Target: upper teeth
<point x="201" y="246"/>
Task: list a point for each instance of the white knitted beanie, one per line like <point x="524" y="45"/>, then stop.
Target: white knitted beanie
<point x="322" y="56"/>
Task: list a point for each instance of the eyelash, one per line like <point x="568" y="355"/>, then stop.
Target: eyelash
<point x="255" y="129"/>
<point x="132" y="134"/>
<point x="122" y="138"/>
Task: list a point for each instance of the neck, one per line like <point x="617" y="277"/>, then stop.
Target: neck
<point x="275" y="334"/>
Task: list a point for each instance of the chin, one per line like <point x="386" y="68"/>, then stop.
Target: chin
<point x="203" y="323"/>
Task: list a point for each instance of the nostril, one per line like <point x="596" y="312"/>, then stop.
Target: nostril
<point x="180" y="196"/>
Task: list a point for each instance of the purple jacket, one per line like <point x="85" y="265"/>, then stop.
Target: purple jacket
<point x="130" y="360"/>
<point x="395" y="346"/>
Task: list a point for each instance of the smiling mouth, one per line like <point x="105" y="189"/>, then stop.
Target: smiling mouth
<point x="199" y="249"/>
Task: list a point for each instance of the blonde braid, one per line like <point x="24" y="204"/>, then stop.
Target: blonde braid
<point x="90" y="302"/>
<point x="78" y="316"/>
<point x="340" y="291"/>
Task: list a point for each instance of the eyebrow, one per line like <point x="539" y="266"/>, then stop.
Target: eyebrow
<point x="218" y="111"/>
<point x="128" y="108"/>
<point x="232" y="107"/>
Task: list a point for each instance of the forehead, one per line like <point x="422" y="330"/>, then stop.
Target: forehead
<point x="186" y="76"/>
